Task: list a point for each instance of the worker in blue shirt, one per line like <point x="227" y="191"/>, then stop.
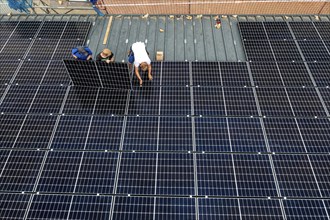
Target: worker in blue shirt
<point x="82" y="53"/>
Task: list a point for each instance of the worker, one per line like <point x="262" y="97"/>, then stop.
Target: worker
<point x="82" y="53"/>
<point x="138" y="55"/>
<point x="106" y="55"/>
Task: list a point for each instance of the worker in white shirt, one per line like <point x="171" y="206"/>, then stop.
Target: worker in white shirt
<point x="138" y="55"/>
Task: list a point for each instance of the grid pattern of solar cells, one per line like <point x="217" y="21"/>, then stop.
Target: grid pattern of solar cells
<point x="208" y="140"/>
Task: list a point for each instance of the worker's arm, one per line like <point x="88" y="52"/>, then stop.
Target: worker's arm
<point x="149" y="70"/>
<point x="74" y="51"/>
<point x="137" y="73"/>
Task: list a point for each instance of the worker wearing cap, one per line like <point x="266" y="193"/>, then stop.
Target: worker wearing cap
<point x="138" y="56"/>
<point x="82" y="53"/>
<point x="106" y="56"/>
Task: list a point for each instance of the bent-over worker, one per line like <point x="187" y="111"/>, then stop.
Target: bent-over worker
<point x="82" y="53"/>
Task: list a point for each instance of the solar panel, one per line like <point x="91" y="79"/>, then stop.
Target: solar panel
<point x="6" y="28"/>
<point x="258" y="51"/>
<point x="314" y="51"/>
<point x="218" y="208"/>
<point x="175" y="208"/>
<point x="320" y="72"/>
<point x="240" y="102"/>
<point x="80" y="101"/>
<point x="141" y="134"/>
<point x="156" y="75"/>
<point x="175" y="134"/>
<point x="52" y="30"/>
<point x="212" y="135"/>
<point x="175" y="101"/>
<point x="83" y="73"/>
<point x="114" y="75"/>
<point x="9" y="129"/>
<point x="305" y="209"/>
<point x="7" y="69"/>
<point x="260" y="208"/>
<point x="305" y="102"/>
<point x="274" y="102"/>
<point x="323" y="29"/>
<point x="286" y="51"/>
<point x="18" y="99"/>
<point x="137" y="173"/>
<point x="209" y="101"/>
<point x="127" y="208"/>
<point x="15" y="49"/>
<point x="2" y="90"/>
<point x="31" y="72"/>
<point x="301" y="182"/>
<point x="295" y="74"/>
<point x="266" y="74"/>
<point x="325" y="94"/>
<point x="111" y="102"/>
<point x="315" y="133"/>
<point x="283" y="135"/>
<point x="215" y="174"/>
<point x="76" y="30"/>
<point x="304" y="31"/>
<point x="175" y="74"/>
<point x="234" y="74"/>
<point x="42" y="49"/>
<point x="71" y="132"/>
<point x="35" y="132"/>
<point x="320" y="165"/>
<point x="26" y="29"/>
<point x="14" y="178"/>
<point x="252" y="31"/>
<point x="246" y="135"/>
<point x="64" y="48"/>
<point x="277" y="30"/>
<point x="13" y="206"/>
<point x="48" y="100"/>
<point x="56" y="74"/>
<point x="175" y="174"/>
<point x="144" y="101"/>
<point x="102" y="136"/>
<point x="206" y="73"/>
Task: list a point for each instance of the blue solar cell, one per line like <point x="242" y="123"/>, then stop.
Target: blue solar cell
<point x="141" y="133"/>
<point x="127" y="208"/>
<point x="102" y="136"/>
<point x="175" y="174"/>
<point x="215" y="175"/>
<point x="60" y="172"/>
<point x="240" y="102"/>
<point x="305" y="209"/>
<point x="209" y="101"/>
<point x="18" y="99"/>
<point x="175" y="101"/>
<point x="260" y="209"/>
<point x="212" y="135"/>
<point x="175" y="208"/>
<point x="97" y="173"/>
<point x="71" y="132"/>
<point x="137" y="174"/>
<point x="320" y="166"/>
<point x="254" y="176"/>
<point x="175" y="134"/>
<point x="302" y="182"/>
<point x="90" y="207"/>
<point x="49" y="207"/>
<point x="144" y="101"/>
<point x="246" y="135"/>
<point x="10" y="126"/>
<point x="14" y="178"/>
<point x="283" y="135"/>
<point x="36" y="132"/>
<point x="13" y="206"/>
<point x="214" y="209"/>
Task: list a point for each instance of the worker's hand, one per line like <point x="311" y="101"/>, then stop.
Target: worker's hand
<point x="141" y="82"/>
<point x="75" y="57"/>
<point x="149" y="76"/>
<point x="108" y="61"/>
<point x="89" y="57"/>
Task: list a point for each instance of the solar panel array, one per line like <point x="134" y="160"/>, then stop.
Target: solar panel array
<point x="99" y="74"/>
<point x="202" y="140"/>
